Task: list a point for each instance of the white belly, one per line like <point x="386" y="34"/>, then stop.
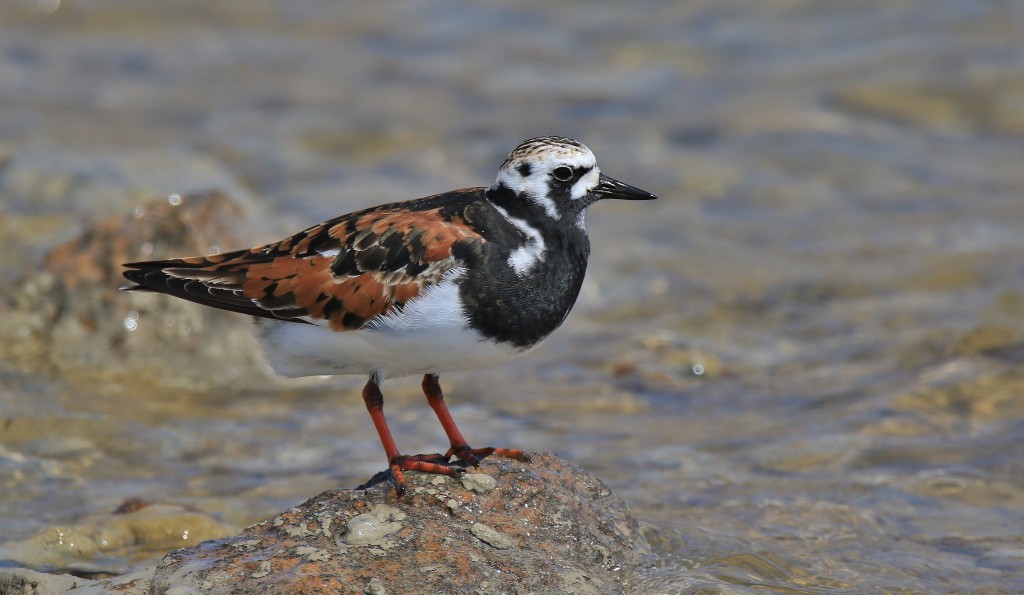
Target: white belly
<point x="428" y="336"/>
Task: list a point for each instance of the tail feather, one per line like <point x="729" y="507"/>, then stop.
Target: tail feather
<point x="195" y="282"/>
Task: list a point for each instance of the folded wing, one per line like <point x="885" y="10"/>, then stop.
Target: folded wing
<point x="345" y="271"/>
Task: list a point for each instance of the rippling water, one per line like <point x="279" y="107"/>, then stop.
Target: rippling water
<point x="801" y="367"/>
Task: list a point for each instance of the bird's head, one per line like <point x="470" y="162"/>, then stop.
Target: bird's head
<point x="560" y="177"/>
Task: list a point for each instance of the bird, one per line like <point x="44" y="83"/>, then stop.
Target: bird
<point x="454" y="281"/>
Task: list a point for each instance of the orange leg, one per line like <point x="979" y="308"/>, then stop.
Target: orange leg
<point x="435" y="463"/>
<point x="459" y="447"/>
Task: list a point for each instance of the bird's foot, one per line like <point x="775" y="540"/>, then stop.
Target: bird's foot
<point x="470" y="457"/>
<point x="432" y="463"/>
<point x="436" y="458"/>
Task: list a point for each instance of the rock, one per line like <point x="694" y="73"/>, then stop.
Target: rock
<point x="22" y="581"/>
<point x="478" y="482"/>
<point x="263" y="570"/>
<point x="546" y="527"/>
<point x="135" y="526"/>
<point x="67" y="314"/>
<point x="983" y="107"/>
<point x="493" y="538"/>
<point x="372" y="528"/>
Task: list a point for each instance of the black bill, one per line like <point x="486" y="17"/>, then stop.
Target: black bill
<point x="609" y="187"/>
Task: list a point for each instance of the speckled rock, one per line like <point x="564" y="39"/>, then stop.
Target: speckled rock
<point x="547" y="527"/>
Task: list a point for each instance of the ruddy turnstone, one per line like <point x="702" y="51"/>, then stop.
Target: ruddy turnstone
<point x="448" y="282"/>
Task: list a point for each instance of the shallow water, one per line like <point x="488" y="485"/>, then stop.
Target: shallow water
<point x="837" y="250"/>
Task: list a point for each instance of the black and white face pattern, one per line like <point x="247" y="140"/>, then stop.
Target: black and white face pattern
<point x="554" y="173"/>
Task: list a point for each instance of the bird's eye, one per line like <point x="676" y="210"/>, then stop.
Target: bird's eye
<point x="562" y="173"/>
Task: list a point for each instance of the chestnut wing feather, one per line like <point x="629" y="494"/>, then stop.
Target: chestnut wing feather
<point x="346" y="271"/>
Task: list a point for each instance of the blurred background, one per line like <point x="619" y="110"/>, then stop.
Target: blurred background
<point x="801" y="367"/>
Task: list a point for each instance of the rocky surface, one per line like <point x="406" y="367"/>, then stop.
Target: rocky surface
<point x="539" y="527"/>
<point x="67" y="314"/>
<point x="543" y="527"/>
<point x="22" y="581"/>
<point x="135" y="530"/>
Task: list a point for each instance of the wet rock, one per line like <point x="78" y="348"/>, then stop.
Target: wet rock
<point x="68" y="315"/>
<point x="137" y="527"/>
<point x="22" y="581"/>
<point x="663" y="362"/>
<point x="988" y="339"/>
<point x="980" y="396"/>
<point x="546" y="527"/>
<point x="938" y="346"/>
<point x="990" y="106"/>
